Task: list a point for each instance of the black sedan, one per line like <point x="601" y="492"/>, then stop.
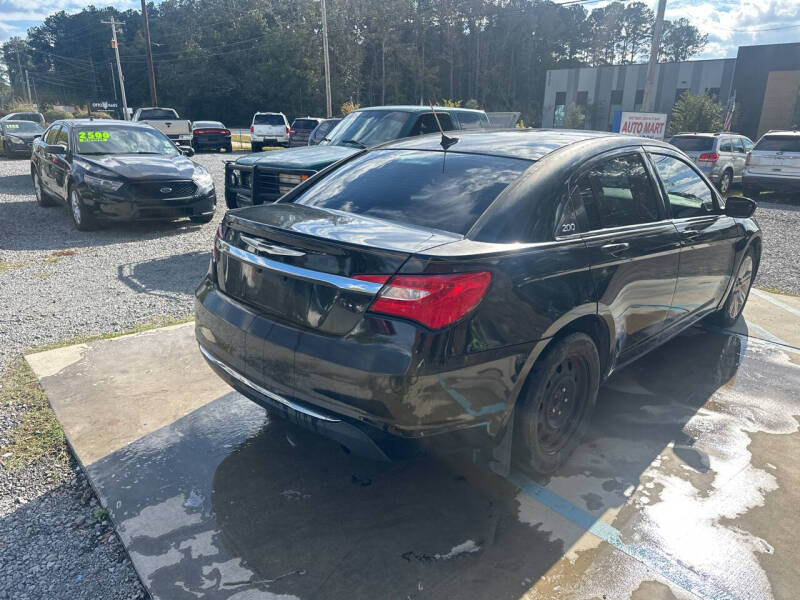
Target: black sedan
<point x="118" y="171"/>
<point x="211" y="135"/>
<point x="16" y="137"/>
<point x="459" y="290"/>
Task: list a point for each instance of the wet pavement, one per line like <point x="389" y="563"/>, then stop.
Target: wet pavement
<point x="687" y="485"/>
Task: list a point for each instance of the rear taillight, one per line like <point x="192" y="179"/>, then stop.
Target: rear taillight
<point x="292" y="132"/>
<point x="252" y="128"/>
<point x="747" y="160"/>
<point x="217" y="240"/>
<point x="435" y="301"/>
<point x="708" y="157"/>
<point x="287" y="129"/>
<point x="226" y="132"/>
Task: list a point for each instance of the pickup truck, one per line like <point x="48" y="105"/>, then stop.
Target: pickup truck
<point x="264" y="177"/>
<point x="167" y="121"/>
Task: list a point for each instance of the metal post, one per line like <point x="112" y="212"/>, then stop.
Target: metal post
<point x="327" y="61"/>
<point x="28" y="83"/>
<point x="649" y="99"/>
<point x="152" y="73"/>
<point x="119" y="67"/>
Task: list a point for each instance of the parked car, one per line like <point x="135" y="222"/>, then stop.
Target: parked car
<point x="167" y="121"/>
<point x="301" y="129"/>
<point x="469" y="118"/>
<point x="16" y="137"/>
<point x="118" y="171"/>
<point x="269" y="129"/>
<point x="259" y="178"/>
<point x="721" y="156"/>
<point x="35" y="117"/>
<point x="211" y="135"/>
<point x="414" y="295"/>
<point x="321" y="131"/>
<point x="773" y="164"/>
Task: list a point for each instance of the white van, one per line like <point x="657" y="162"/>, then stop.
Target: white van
<point x="269" y="129"/>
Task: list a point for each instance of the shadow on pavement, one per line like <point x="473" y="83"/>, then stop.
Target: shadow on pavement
<point x="165" y="276"/>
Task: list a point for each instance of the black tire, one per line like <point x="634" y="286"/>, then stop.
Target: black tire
<point x="734" y="304"/>
<point x="77" y="209"/>
<point x="255" y="147"/>
<point x="42" y="198"/>
<point x="229" y="148"/>
<point x="557" y="402"/>
<point x="725" y="181"/>
<point x="201" y="218"/>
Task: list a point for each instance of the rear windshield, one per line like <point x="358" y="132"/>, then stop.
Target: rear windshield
<point x="779" y="143"/>
<point x="446" y="191"/>
<point x="268" y="120"/>
<point x="208" y="125"/>
<point x="157" y="113"/>
<point x="693" y="143"/>
<point x="304" y="124"/>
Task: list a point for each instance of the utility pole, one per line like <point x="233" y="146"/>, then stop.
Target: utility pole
<point x="19" y="70"/>
<point x="649" y="99"/>
<point x="119" y="65"/>
<point x="152" y="78"/>
<point x="28" y="83"/>
<point x="327" y="60"/>
<point x="113" y="80"/>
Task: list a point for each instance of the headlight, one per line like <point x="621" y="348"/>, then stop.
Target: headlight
<point x="15" y="140"/>
<point x="291" y="178"/>
<point x="203" y="179"/>
<point x="102" y="185"/>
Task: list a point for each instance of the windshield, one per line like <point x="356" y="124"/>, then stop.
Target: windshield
<point x="208" y="125"/>
<point x="158" y="113"/>
<point x="122" y="140"/>
<point x="22" y="127"/>
<point x="779" y="143"/>
<point x="268" y="120"/>
<point x="368" y="128"/>
<point x="693" y="143"/>
<point x="446" y="191"/>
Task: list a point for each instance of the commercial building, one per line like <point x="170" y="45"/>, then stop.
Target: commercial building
<point x="765" y="81"/>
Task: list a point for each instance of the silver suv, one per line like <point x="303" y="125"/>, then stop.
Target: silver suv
<point x="773" y="164"/>
<point x="721" y="156"/>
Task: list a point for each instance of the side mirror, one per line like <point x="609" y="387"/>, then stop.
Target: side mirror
<point x="37" y="136"/>
<point x="186" y="150"/>
<point x="739" y="207"/>
<point x="55" y="149"/>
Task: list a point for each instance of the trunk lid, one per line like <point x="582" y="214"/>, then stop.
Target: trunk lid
<point x="296" y="263"/>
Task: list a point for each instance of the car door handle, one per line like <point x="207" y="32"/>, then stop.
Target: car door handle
<point x="615" y="249"/>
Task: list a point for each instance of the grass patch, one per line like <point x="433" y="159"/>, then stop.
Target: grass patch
<point x="53" y="259"/>
<point x="143" y="326"/>
<point x="6" y="266"/>
<point x="39" y="434"/>
<point x="100" y="515"/>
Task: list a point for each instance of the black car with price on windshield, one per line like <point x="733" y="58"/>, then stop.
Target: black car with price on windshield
<point x="470" y="291"/>
<point x="118" y="171"/>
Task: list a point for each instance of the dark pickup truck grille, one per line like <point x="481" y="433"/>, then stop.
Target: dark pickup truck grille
<point x="245" y="185"/>
<point x="164" y="190"/>
<point x="266" y="186"/>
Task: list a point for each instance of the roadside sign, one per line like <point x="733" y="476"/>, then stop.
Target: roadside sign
<point x="105" y="105"/>
<point x="649" y="125"/>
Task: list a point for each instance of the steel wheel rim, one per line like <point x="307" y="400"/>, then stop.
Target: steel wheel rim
<point x="76" y="207"/>
<point x="741" y="286"/>
<point x="563" y="405"/>
<point x="37" y="189"/>
<point x="725" y="183"/>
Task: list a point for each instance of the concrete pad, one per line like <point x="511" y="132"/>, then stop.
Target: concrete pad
<point x="685" y="486"/>
<point x="772" y="317"/>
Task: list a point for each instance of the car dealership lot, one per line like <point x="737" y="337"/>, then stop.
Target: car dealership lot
<point x="57" y="283"/>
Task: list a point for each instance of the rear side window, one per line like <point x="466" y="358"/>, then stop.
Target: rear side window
<point x="427" y="124"/>
<point x="52" y="135"/>
<point x="304" y="124"/>
<point x="693" y="143"/>
<point x="470" y="120"/>
<point x="616" y="192"/>
<point x="688" y="194"/>
<point x="446" y="191"/>
<point x="738" y="145"/>
<point x="268" y="120"/>
<point x="779" y="143"/>
<point x="725" y="146"/>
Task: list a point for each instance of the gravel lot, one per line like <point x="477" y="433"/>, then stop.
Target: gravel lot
<point x="57" y="283"/>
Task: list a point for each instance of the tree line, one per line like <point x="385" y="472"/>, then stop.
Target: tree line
<point x="225" y="59"/>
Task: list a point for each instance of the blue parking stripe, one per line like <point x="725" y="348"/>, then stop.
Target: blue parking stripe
<point x="669" y="568"/>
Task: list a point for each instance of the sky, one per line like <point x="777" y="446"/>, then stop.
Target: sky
<point x="728" y="23"/>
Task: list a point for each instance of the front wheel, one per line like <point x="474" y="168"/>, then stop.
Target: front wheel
<point x="80" y="215"/>
<point x="740" y="291"/>
<point x="559" y="398"/>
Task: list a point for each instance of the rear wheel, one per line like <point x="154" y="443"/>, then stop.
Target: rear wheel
<point x="740" y="291"/>
<point x="255" y="147"/>
<point x="80" y="215"/>
<point x="725" y="182"/>
<point x="559" y="399"/>
<point x="42" y="197"/>
<point x="229" y="148"/>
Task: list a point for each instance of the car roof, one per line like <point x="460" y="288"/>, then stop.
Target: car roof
<point x="782" y="132"/>
<point x="416" y="108"/>
<point x="528" y="144"/>
<point x="83" y="122"/>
